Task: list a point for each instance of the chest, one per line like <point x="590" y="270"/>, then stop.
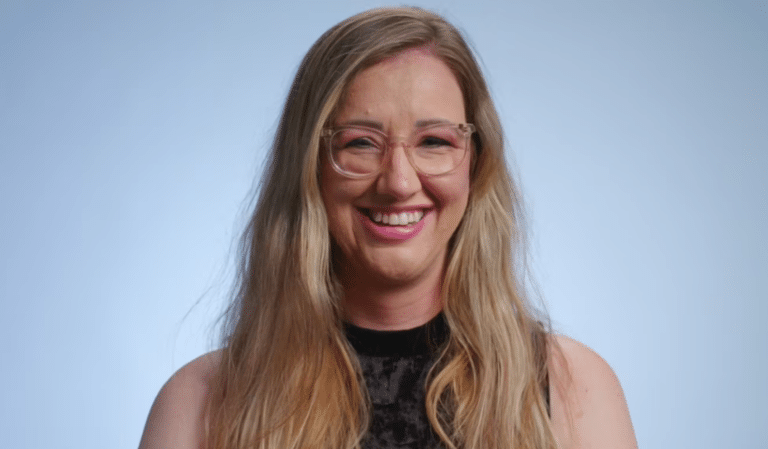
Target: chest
<point x="397" y="388"/>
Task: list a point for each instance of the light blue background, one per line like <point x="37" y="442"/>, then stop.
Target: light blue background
<point x="130" y="133"/>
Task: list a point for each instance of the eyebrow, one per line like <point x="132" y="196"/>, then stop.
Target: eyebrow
<point x="365" y="123"/>
<point x="380" y="126"/>
<point x="432" y="121"/>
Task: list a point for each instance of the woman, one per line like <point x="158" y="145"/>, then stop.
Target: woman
<point x="381" y="300"/>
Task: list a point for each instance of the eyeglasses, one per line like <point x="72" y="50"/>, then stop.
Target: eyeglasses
<point x="359" y="152"/>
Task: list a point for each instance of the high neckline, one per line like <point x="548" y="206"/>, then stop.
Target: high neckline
<point x="422" y="340"/>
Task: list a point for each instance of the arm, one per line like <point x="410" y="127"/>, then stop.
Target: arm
<point x="588" y="405"/>
<point x="176" y="418"/>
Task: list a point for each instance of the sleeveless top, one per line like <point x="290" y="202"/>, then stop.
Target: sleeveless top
<point x="395" y="365"/>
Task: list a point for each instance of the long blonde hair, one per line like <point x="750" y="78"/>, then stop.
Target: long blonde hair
<point x="288" y="377"/>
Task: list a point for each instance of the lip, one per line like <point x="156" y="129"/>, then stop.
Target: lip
<point x="392" y="234"/>
<point x="395" y="209"/>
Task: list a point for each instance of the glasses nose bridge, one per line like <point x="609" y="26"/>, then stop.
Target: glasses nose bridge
<point x="394" y="141"/>
<point x="398" y="139"/>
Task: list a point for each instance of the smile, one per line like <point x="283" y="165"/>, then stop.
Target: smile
<point x="393" y="227"/>
<point x="395" y="219"/>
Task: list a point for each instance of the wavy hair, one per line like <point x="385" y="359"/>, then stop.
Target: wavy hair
<point x="288" y="378"/>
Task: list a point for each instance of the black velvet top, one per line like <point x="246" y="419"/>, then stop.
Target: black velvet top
<point x="395" y="366"/>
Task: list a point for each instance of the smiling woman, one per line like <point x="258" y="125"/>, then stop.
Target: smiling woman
<point x="390" y="263"/>
<point x="380" y="301"/>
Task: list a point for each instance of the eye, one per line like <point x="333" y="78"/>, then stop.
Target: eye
<point x="356" y="141"/>
<point x="434" y="141"/>
<point x="360" y="142"/>
<point x="438" y="137"/>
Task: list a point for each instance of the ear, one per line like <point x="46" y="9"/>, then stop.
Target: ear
<point x="322" y="155"/>
<point x="476" y="149"/>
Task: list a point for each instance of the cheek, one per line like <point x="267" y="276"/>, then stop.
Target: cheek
<point x="328" y="192"/>
<point x="460" y="192"/>
<point x="454" y="191"/>
<point x="452" y="195"/>
<point x="331" y="189"/>
<point x="338" y="198"/>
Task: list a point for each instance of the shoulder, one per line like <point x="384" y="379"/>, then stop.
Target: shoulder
<point x="176" y="417"/>
<point x="587" y="402"/>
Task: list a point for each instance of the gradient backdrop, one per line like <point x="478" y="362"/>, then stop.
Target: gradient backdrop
<point x="131" y="132"/>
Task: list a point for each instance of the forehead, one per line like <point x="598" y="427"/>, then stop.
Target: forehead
<point x="408" y="63"/>
<point x="414" y="83"/>
<point x="416" y="54"/>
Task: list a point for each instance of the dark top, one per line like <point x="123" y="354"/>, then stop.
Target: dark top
<point x="395" y="366"/>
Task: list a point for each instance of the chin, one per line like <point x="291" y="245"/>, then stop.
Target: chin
<point x="397" y="275"/>
<point x="400" y="268"/>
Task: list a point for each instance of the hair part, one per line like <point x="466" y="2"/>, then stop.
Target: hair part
<point x="287" y="370"/>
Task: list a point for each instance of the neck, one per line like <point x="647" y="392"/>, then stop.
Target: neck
<point x="380" y="306"/>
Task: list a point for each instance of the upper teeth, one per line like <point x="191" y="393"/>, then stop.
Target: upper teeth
<point x="403" y="218"/>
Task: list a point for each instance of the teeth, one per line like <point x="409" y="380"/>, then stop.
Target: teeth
<point x="401" y="219"/>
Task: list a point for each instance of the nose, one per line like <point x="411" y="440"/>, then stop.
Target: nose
<point x="398" y="177"/>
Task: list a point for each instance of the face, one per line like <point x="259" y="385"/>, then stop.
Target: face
<point x="396" y="95"/>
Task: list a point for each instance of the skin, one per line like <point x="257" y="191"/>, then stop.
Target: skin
<point x="396" y="286"/>
<point x="588" y="408"/>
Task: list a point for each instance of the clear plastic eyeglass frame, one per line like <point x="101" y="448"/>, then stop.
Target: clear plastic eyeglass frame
<point x="375" y="138"/>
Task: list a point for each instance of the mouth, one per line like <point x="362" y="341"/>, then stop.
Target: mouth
<point x="404" y="218"/>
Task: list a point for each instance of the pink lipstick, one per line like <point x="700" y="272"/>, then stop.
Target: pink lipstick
<point x="392" y="234"/>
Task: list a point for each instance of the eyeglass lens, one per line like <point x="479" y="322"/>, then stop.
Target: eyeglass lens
<point x="433" y="151"/>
